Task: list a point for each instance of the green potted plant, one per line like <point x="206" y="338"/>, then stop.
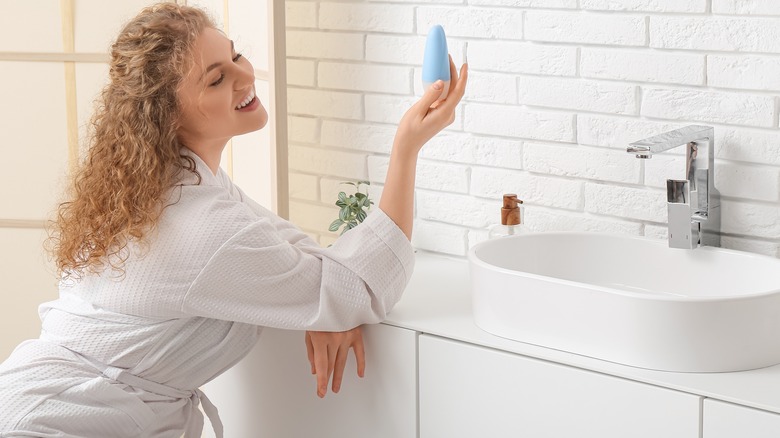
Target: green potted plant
<point x="353" y="209"/>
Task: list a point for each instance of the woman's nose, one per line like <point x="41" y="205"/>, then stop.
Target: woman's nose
<point x="245" y="75"/>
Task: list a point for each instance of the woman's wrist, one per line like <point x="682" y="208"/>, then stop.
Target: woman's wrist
<point x="404" y="152"/>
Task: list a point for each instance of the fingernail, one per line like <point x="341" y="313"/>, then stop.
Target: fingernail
<point x="437" y="85"/>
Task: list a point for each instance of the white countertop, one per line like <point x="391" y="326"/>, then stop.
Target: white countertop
<point x="438" y="302"/>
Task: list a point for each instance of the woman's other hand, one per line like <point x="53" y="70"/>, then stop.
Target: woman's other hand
<point x="328" y="353"/>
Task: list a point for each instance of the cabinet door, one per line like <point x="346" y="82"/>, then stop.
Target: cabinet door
<point x="470" y="391"/>
<point x="725" y="420"/>
<point x="276" y="396"/>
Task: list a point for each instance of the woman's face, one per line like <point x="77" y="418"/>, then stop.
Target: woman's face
<point x="217" y="97"/>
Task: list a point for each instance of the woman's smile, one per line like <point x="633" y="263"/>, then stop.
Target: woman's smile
<point x="249" y="103"/>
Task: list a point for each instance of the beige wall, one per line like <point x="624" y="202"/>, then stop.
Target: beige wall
<point x="50" y="73"/>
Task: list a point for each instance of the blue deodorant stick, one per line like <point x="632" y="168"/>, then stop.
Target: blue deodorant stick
<point x="436" y="63"/>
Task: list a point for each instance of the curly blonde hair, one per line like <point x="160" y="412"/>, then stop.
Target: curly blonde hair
<point x="134" y="155"/>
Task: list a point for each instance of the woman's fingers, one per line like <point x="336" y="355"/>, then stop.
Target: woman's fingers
<point x="328" y="353"/>
<point x="457" y="90"/>
<point x="321" y="367"/>
<point x="431" y="95"/>
<point x="338" y="370"/>
<point x="360" y="354"/>
<point x="310" y="352"/>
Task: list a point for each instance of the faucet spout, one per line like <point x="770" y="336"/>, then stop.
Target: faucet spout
<point x="694" y="203"/>
<point x="669" y="140"/>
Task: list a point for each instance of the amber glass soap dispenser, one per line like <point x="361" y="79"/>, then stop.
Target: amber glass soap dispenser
<point x="511" y="218"/>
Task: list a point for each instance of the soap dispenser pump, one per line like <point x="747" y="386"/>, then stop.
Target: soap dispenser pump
<point x="511" y="218"/>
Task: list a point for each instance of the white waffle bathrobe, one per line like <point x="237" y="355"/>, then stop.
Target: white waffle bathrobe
<point x="125" y="357"/>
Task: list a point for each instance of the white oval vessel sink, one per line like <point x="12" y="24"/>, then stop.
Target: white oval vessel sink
<point x="630" y="300"/>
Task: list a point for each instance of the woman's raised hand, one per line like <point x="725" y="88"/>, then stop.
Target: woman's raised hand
<point x="420" y="123"/>
<point x="427" y="117"/>
<point x="328" y="353"/>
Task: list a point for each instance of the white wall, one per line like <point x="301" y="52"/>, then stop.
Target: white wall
<point x="557" y="90"/>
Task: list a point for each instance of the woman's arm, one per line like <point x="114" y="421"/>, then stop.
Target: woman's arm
<point x="328" y="351"/>
<point x="420" y="123"/>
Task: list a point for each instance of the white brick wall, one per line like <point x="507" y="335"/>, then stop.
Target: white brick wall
<point x="646" y="5"/>
<point x="591" y="28"/>
<point x="710" y="106"/>
<point x="642" y="66"/>
<point x="558" y="89"/>
<point x="746" y="7"/>
<point x="473" y="21"/>
<point x="367" y="17"/>
<point x="523" y="57"/>
<point x="731" y="34"/>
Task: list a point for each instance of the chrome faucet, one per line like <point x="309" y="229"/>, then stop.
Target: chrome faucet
<point x="693" y="203"/>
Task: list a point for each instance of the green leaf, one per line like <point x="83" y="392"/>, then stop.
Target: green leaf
<point x="361" y="216"/>
<point x="352" y="208"/>
<point x="334" y="226"/>
<point x="350" y="225"/>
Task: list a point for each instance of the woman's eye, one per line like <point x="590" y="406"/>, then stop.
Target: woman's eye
<point x="222" y="76"/>
<point x="218" y="81"/>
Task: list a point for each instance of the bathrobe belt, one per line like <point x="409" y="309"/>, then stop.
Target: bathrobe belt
<point x="194" y="428"/>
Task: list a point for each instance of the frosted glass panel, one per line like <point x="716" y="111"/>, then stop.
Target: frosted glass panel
<point x="34" y="138"/>
<point x="98" y="22"/>
<point x="30" y="26"/>
<point x="28" y="280"/>
<point x="249" y="29"/>
<point x="252" y="166"/>
<point x="90" y="80"/>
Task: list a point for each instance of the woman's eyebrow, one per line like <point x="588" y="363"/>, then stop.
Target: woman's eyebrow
<point x="217" y="64"/>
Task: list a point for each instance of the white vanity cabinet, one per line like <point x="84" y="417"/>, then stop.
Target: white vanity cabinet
<point x="473" y="391"/>
<point x="726" y="420"/>
<point x="273" y="393"/>
<point x="433" y="373"/>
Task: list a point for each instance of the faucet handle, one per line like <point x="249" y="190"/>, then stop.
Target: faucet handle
<point x="683" y="232"/>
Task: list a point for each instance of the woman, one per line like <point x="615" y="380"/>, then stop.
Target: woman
<point x="169" y="271"/>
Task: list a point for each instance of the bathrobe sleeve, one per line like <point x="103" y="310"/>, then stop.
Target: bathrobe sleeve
<point x="271" y="274"/>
